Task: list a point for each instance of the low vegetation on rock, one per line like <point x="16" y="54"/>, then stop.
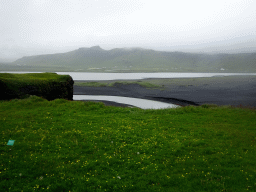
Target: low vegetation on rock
<point x="47" y="85"/>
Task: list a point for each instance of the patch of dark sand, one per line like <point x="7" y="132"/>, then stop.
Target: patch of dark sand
<point x="231" y="90"/>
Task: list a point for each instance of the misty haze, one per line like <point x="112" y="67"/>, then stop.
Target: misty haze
<point x="128" y="95"/>
<point x="96" y="59"/>
<point x="42" y="27"/>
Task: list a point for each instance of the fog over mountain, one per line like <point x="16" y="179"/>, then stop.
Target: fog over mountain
<point x="35" y="27"/>
<point x="12" y="54"/>
<point x="134" y="60"/>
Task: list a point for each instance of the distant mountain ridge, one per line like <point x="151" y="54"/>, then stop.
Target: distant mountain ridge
<point x="137" y="59"/>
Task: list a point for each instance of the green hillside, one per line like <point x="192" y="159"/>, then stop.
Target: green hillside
<point x="135" y="60"/>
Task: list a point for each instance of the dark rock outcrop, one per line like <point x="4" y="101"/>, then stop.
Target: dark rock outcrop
<point x="51" y="87"/>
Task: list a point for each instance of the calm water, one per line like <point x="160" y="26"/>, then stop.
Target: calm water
<point x="141" y="103"/>
<point x="90" y="76"/>
<point x="132" y="76"/>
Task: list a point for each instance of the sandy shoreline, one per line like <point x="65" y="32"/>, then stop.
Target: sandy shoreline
<point x="233" y="90"/>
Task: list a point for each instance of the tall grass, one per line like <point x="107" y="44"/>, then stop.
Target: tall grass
<point x="75" y="146"/>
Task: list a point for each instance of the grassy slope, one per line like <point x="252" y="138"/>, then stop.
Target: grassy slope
<point x="32" y="76"/>
<point x="62" y="145"/>
<point x="136" y="60"/>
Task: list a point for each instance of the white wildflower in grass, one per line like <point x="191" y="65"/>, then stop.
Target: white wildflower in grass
<point x="118" y="177"/>
<point x="138" y="153"/>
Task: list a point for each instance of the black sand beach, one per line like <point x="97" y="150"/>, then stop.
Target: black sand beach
<point x="231" y="90"/>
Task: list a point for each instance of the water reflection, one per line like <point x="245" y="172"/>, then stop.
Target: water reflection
<point x="93" y="76"/>
<point x="132" y="76"/>
<point x="141" y="103"/>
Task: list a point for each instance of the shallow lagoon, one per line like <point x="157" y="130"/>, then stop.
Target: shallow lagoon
<point x="87" y="76"/>
<point x="91" y="76"/>
<point x="141" y="103"/>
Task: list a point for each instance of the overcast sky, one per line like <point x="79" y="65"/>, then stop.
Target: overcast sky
<point x="44" y="26"/>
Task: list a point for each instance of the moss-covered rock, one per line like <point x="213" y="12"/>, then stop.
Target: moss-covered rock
<point x="47" y="85"/>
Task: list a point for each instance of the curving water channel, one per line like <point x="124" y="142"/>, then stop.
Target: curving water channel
<point x="141" y="103"/>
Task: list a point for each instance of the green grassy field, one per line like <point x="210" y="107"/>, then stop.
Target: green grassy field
<point x="32" y="76"/>
<point x="115" y="83"/>
<point x="65" y="145"/>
